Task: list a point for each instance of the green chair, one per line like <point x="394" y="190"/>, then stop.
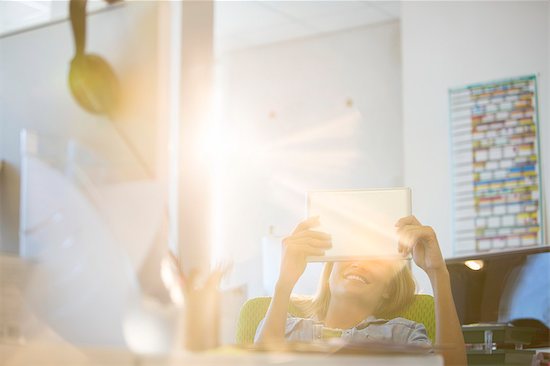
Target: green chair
<point x="253" y="311"/>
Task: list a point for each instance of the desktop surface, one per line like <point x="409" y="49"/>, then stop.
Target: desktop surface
<point x="47" y="354"/>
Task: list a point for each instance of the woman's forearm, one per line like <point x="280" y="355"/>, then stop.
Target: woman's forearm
<point x="448" y="330"/>
<point x="275" y="319"/>
<point x="302" y="243"/>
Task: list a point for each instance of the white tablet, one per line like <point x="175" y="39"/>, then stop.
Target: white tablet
<point x="361" y="222"/>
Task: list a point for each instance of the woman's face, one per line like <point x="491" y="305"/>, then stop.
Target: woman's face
<point x="365" y="280"/>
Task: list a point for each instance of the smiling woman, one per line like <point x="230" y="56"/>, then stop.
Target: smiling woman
<point x="391" y="280"/>
<point x="359" y="299"/>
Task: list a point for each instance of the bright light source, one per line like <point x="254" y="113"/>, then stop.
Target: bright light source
<point x="474" y="265"/>
<point x="275" y="163"/>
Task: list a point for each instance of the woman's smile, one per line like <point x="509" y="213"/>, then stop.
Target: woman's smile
<point x="356" y="275"/>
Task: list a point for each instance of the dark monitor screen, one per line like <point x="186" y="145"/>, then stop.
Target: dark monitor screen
<point x="510" y="287"/>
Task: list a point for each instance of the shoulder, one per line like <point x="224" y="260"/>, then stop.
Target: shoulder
<point x="405" y="323"/>
<point x="296" y="328"/>
<point x="412" y="332"/>
<point x="292" y="320"/>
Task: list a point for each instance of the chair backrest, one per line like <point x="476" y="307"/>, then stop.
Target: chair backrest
<point x="254" y="310"/>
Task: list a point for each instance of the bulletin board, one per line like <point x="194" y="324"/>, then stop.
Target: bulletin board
<point x="497" y="201"/>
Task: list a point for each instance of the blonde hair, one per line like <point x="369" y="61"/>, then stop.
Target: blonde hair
<point x="401" y="291"/>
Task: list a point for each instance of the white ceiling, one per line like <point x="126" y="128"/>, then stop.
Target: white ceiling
<point x="238" y="24"/>
<point x="243" y="24"/>
<point x="19" y="14"/>
<point x="16" y="15"/>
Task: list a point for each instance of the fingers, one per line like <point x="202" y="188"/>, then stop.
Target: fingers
<point x="314" y="251"/>
<point x="407" y="220"/>
<point x="307" y="224"/>
<point x="309" y="237"/>
<point x="309" y="242"/>
<point x="408" y="238"/>
<point x="313" y="235"/>
<point x="411" y="235"/>
<point x="308" y="250"/>
<point x="410" y="231"/>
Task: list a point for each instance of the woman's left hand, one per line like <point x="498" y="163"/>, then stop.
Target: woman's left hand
<point x="422" y="242"/>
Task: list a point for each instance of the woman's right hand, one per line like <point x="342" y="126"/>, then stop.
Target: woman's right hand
<point x="302" y="243"/>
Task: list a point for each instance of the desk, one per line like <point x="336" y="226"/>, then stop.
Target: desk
<point x="55" y="355"/>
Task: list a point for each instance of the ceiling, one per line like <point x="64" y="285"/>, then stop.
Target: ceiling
<point x="238" y="24"/>
<point x="243" y="24"/>
<point x="21" y="14"/>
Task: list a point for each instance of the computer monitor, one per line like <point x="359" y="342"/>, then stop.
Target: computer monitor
<point x="510" y="287"/>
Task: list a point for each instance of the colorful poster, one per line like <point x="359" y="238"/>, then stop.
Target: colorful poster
<point x="495" y="166"/>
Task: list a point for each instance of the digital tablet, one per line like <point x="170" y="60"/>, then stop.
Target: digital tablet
<point x="361" y="222"/>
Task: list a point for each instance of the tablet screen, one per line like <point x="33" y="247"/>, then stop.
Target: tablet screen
<point x="361" y="223"/>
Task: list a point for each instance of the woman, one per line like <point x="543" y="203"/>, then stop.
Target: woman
<point x="353" y="296"/>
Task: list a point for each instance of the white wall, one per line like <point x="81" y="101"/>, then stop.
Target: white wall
<point x="34" y="94"/>
<point x="315" y="113"/>
<point x="450" y="44"/>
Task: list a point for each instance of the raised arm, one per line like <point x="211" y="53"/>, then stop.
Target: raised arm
<point x="303" y="242"/>
<point x="422" y="242"/>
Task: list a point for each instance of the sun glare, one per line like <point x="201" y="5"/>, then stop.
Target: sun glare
<point x="289" y="162"/>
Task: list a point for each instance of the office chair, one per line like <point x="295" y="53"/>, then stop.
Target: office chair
<point x="254" y="310"/>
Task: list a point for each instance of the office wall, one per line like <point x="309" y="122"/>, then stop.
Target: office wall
<point x="34" y="94"/>
<point x="449" y="44"/>
<point x="326" y="114"/>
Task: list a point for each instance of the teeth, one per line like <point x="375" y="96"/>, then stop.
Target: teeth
<point x="355" y="277"/>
